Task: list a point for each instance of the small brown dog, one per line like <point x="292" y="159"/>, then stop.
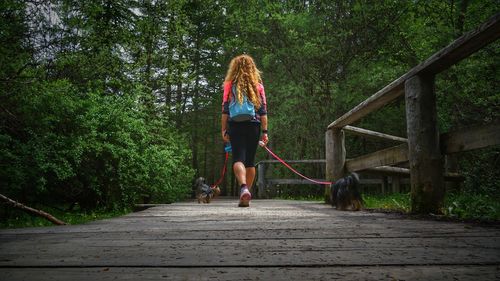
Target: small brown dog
<point x="205" y="193"/>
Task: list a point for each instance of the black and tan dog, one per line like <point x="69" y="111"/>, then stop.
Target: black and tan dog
<point x="205" y="193"/>
<point x="345" y="195"/>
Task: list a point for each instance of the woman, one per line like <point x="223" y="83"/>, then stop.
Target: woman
<point x="243" y="86"/>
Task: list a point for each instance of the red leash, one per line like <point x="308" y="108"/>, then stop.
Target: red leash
<point x="223" y="171"/>
<point x="293" y="170"/>
<point x="224" y="168"/>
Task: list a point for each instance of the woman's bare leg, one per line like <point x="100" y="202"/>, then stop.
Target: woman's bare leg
<point x="240" y="173"/>
<point x="250" y="176"/>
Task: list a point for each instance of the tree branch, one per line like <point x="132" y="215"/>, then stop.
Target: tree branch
<point x="27" y="209"/>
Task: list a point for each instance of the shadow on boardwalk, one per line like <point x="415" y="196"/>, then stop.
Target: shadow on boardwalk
<point x="271" y="240"/>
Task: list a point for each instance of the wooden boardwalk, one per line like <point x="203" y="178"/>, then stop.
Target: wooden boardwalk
<point x="271" y="240"/>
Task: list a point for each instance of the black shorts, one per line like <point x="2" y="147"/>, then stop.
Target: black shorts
<point x="244" y="137"/>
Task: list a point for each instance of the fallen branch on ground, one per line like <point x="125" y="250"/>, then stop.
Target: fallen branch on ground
<point x="27" y="209"/>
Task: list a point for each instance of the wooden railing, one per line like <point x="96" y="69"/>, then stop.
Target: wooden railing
<point x="264" y="184"/>
<point x="268" y="186"/>
<point x="424" y="148"/>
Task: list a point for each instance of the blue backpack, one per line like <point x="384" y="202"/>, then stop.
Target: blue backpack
<point x="240" y="112"/>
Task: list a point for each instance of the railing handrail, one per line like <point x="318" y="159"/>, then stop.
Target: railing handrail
<point x="456" y="51"/>
<point x="425" y="148"/>
<point x="372" y="134"/>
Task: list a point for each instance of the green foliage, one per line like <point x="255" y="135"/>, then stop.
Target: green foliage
<point x="479" y="177"/>
<point x="394" y="201"/>
<point x="466" y="205"/>
<point x="93" y="149"/>
<point x="320" y="61"/>
<point x="110" y="103"/>
<point x="17" y="218"/>
<point x="472" y="206"/>
<point x="75" y="131"/>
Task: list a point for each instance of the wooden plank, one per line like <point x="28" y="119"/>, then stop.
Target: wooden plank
<point x="388" y="170"/>
<point x="459" y="49"/>
<point x="269" y="219"/>
<point x="271" y="240"/>
<point x="462" y="47"/>
<point x="319" y="228"/>
<point x="451" y="166"/>
<point x="404" y="172"/>
<point x="389" y="156"/>
<point x="287" y="273"/>
<point x="146" y="252"/>
<point x="470" y="138"/>
<point x="389" y="93"/>
<point x="372" y="134"/>
<point x="314" y="226"/>
<point x="371" y="181"/>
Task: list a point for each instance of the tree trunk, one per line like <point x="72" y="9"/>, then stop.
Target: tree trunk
<point x="461" y="17"/>
<point x="195" y="127"/>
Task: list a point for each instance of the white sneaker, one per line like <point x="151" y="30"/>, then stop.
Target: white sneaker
<point x="245" y="197"/>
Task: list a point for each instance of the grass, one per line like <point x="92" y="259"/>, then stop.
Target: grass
<point x="18" y="218"/>
<point x="462" y="206"/>
<point x="472" y="206"/>
<point x="395" y="201"/>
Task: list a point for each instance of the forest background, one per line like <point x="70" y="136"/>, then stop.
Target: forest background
<point x="104" y="104"/>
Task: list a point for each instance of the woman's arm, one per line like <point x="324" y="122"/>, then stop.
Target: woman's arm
<point x="263" y="114"/>
<point x="225" y="112"/>
<point x="263" y="123"/>
<point x="223" y="122"/>
<point x="263" y="126"/>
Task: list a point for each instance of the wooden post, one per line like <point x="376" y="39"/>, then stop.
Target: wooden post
<point x="385" y="184"/>
<point x="396" y="184"/>
<point x="328" y="161"/>
<point x="261" y="180"/>
<point x="335" y="157"/>
<point x="426" y="161"/>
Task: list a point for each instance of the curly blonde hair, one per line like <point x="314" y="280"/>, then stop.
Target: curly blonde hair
<point x="243" y="71"/>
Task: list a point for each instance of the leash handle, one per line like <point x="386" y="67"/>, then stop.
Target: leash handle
<point x="261" y="143"/>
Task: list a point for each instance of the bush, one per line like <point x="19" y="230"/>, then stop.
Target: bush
<point x="90" y="149"/>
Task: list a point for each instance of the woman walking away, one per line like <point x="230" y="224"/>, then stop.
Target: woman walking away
<point x="244" y="115"/>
